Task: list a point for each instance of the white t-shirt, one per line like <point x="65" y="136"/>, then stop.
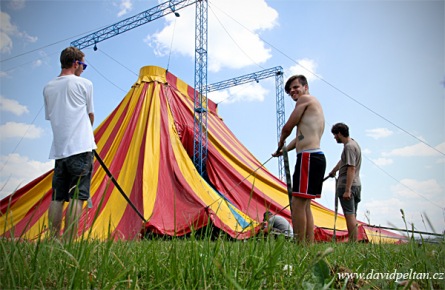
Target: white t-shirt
<point x="68" y="101"/>
<point x="281" y="224"/>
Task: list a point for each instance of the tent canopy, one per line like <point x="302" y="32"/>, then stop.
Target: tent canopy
<point x="147" y="144"/>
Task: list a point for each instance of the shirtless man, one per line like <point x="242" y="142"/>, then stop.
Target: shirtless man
<point x="310" y="168"/>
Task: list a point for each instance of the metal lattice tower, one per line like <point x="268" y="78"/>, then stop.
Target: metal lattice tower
<point x="201" y="87"/>
<point x="200" y="98"/>
<point x="279" y="92"/>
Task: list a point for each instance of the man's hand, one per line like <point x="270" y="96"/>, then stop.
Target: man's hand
<point x="347" y="194"/>
<point x="277" y="153"/>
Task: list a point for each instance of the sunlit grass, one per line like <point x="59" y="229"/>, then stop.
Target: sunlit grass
<point x="208" y="263"/>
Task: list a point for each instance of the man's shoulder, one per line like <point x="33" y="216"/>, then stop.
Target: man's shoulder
<point x="352" y="143"/>
<point x="279" y="218"/>
<point x="84" y="80"/>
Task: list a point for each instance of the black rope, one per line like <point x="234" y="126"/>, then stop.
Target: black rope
<point x="117" y="185"/>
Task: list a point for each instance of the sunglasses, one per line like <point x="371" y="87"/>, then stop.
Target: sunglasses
<point x="83" y="64"/>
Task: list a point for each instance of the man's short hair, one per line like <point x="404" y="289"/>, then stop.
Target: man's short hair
<point x="301" y="79"/>
<point x="70" y="55"/>
<point x="266" y="215"/>
<point x="340" y="128"/>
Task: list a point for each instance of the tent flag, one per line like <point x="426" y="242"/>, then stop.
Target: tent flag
<point x="147" y="145"/>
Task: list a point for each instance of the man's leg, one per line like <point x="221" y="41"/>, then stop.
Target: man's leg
<point x="309" y="223"/>
<point x="55" y="217"/>
<point x="299" y="218"/>
<point x="351" y="223"/>
<point x="80" y="168"/>
<point x="72" y="217"/>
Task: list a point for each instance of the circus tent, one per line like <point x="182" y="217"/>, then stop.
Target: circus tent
<point x="146" y="144"/>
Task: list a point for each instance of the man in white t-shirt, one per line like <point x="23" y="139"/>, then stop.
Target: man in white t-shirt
<point x="69" y="107"/>
<point x="277" y="224"/>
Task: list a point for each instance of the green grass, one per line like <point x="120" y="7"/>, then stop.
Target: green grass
<point x="204" y="263"/>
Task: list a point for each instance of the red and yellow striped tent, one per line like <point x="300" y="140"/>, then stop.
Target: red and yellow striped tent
<point x="146" y="143"/>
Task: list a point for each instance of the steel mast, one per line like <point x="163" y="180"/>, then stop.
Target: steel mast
<point x="200" y="98"/>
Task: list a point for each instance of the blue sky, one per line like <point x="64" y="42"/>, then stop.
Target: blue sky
<point x="378" y="66"/>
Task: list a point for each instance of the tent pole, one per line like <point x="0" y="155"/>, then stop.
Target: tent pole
<point x="334" y="237"/>
<point x="407" y="231"/>
<point x="117" y="185"/>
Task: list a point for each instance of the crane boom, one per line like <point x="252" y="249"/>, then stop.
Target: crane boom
<point x="132" y="22"/>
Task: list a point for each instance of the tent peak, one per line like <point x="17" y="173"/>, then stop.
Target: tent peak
<point x="152" y="73"/>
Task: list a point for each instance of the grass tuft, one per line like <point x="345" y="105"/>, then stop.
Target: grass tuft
<point x="265" y="262"/>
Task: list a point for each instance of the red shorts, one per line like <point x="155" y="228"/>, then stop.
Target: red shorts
<point x="309" y="174"/>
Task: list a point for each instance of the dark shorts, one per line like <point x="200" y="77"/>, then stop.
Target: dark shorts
<point x="72" y="177"/>
<point x="349" y="206"/>
<point x="309" y="174"/>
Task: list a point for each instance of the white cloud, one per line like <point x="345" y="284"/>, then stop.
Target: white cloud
<point x="428" y="189"/>
<point x="441" y="147"/>
<point x="17" y="171"/>
<point x="37" y="63"/>
<point x="20" y="130"/>
<point x="378" y="133"/>
<point x="8" y="30"/>
<point x="250" y="92"/>
<point x="13" y="106"/>
<point x="440" y="160"/>
<point x="419" y="149"/>
<point x="383" y="161"/>
<point x="367" y="151"/>
<point x="219" y="96"/>
<point x="387" y="213"/>
<point x="5" y="40"/>
<point x="17" y="4"/>
<point x="125" y="6"/>
<point x="233" y="41"/>
<point x="384" y="210"/>
<point x="306" y="67"/>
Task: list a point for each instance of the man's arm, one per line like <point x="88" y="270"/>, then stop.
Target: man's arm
<point x="291" y="146"/>
<point x="91" y="115"/>
<point x="335" y="169"/>
<point x="350" y="174"/>
<point x="294" y="118"/>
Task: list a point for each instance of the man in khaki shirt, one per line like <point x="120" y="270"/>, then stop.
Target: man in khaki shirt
<point x="348" y="184"/>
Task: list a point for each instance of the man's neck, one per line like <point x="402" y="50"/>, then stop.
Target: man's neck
<point x="66" y="72"/>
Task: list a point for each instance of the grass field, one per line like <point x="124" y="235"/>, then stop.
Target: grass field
<point x="272" y="262"/>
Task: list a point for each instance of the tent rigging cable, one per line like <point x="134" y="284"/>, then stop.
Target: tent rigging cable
<point x="21" y="139"/>
<point x="108" y="80"/>
<point x="335" y="88"/>
<point x="171" y="44"/>
<point x="234" y="41"/>
<point x="235" y="186"/>
<point x="406" y="186"/>
<point x="119" y="63"/>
